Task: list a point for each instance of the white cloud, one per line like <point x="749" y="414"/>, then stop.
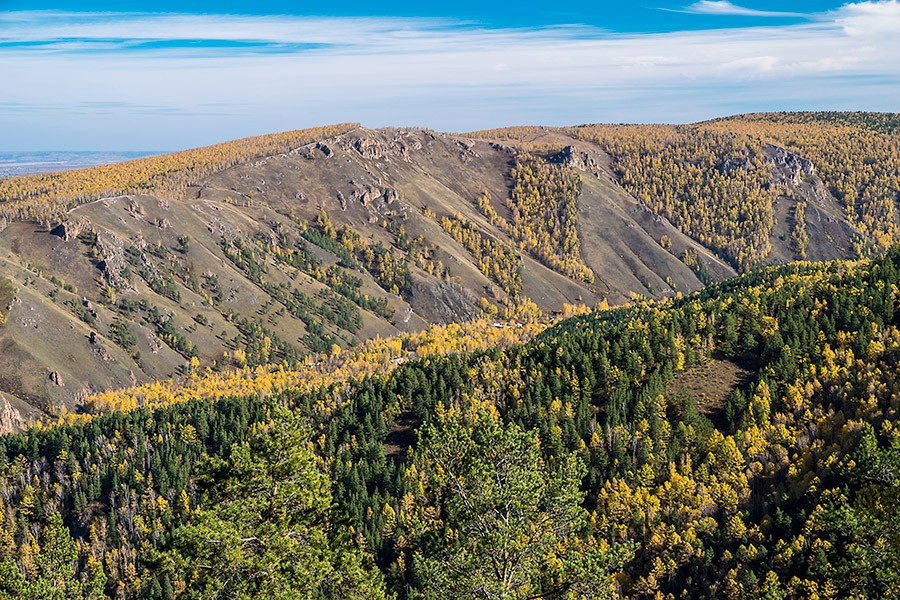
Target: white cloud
<point x="725" y="8"/>
<point x="90" y="77"/>
<point x="869" y="18"/>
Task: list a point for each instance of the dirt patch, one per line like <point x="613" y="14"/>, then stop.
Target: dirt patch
<point x="401" y="435"/>
<point x="710" y="384"/>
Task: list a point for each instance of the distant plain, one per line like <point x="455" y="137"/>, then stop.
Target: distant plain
<point x="26" y="163"/>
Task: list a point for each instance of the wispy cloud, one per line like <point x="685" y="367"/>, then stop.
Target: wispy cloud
<point x="163" y="80"/>
<point x="725" y="8"/>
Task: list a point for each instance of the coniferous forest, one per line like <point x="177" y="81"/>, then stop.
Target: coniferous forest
<point x="588" y="460"/>
<point x="406" y="346"/>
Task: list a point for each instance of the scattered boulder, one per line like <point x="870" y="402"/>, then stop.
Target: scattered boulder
<point x="153" y="343"/>
<point x="135" y="209"/>
<point x="97" y="346"/>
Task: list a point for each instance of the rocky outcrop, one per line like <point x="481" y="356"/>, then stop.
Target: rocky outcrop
<point x="112" y="264"/>
<point x="583" y="161"/>
<point x="795" y="171"/>
<point x="324" y="149"/>
<point x="467" y="150"/>
<point x="71" y="229"/>
<point x="789" y="167"/>
<point x="369" y="149"/>
<point x="10" y="419"/>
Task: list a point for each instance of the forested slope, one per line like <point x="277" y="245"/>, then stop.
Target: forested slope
<point x="576" y="464"/>
<point x="856" y="154"/>
<point x="266" y="251"/>
<point x="259" y="261"/>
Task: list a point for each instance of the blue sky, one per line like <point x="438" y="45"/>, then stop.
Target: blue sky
<point x="621" y="16"/>
<point x="99" y="75"/>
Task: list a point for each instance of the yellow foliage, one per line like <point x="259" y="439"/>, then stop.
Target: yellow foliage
<point x="376" y="357"/>
<point x="46" y="197"/>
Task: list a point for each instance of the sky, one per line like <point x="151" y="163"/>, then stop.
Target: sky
<point x="167" y="74"/>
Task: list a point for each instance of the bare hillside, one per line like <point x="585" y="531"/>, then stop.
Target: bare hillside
<point x="366" y="233"/>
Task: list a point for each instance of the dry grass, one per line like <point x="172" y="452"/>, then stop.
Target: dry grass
<point x="7" y="293"/>
<point x="711" y="383"/>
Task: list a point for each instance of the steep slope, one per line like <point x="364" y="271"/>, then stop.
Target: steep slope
<point x="735" y="192"/>
<point x="132" y="288"/>
<point x="365" y="178"/>
<point x="810" y="222"/>
<point x="260" y="251"/>
<point x="856" y="154"/>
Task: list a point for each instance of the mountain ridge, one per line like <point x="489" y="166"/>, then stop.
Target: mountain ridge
<point x="243" y="259"/>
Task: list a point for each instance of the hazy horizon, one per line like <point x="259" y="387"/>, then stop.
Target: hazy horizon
<point x="14" y="163"/>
